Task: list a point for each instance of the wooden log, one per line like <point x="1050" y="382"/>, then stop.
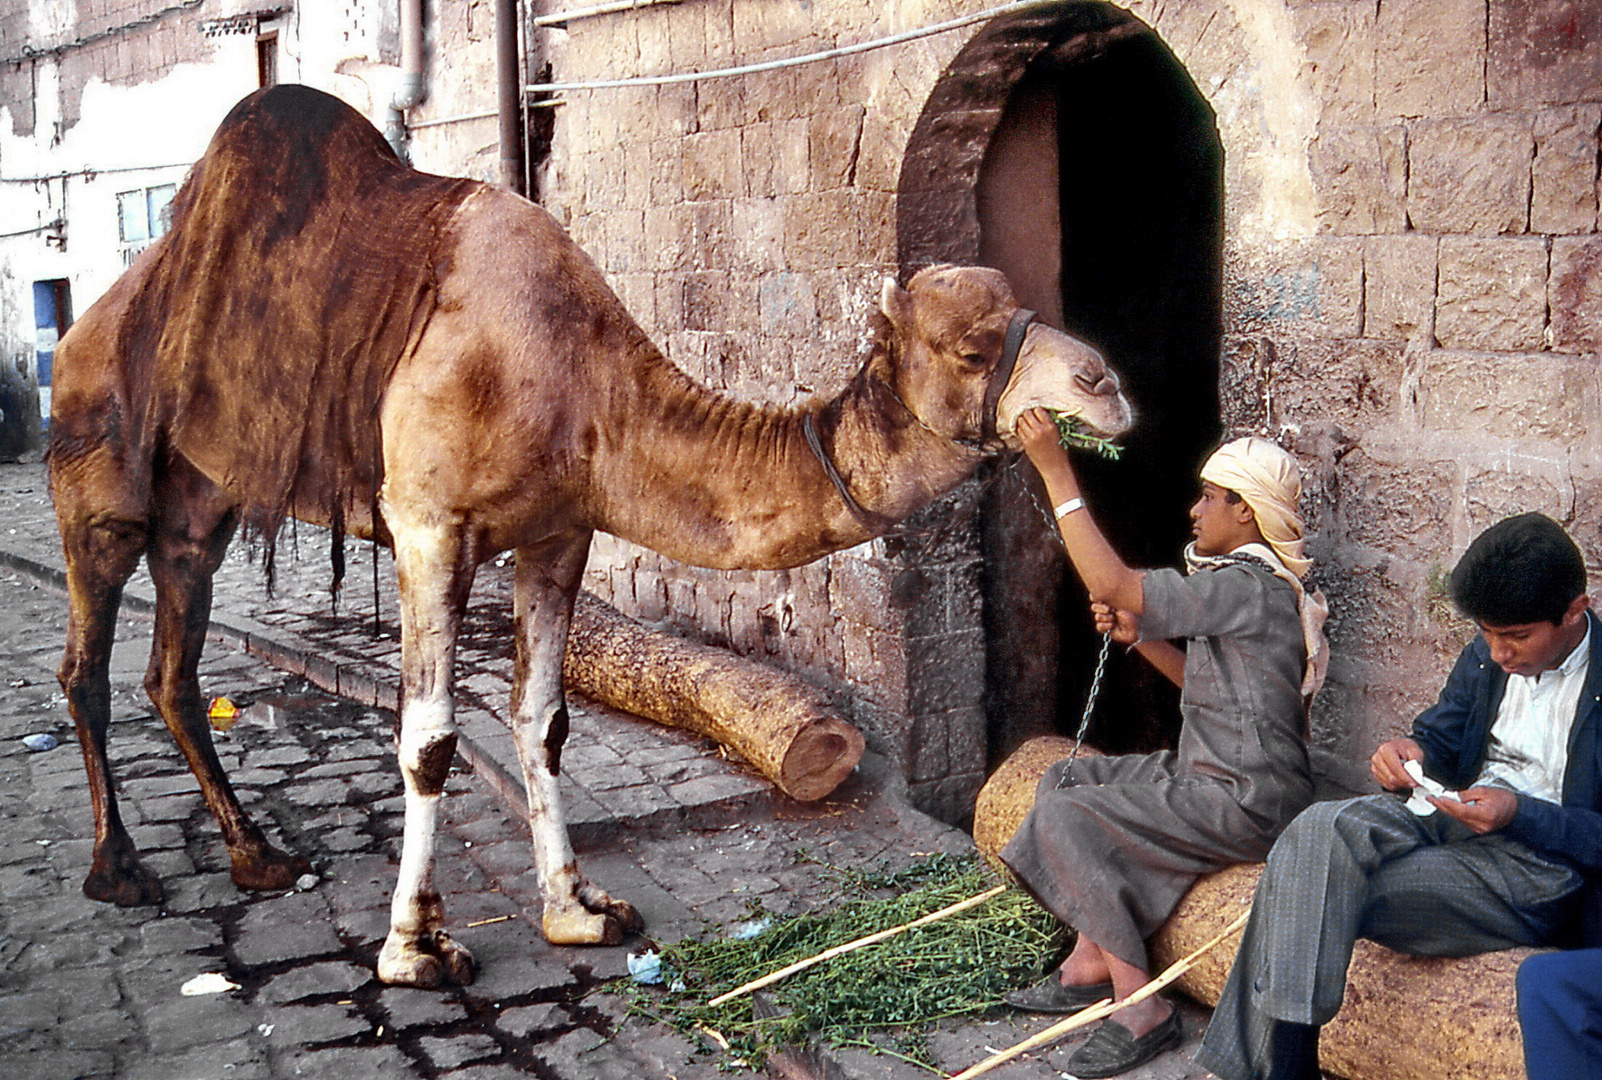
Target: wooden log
<point x="1404" y="1018"/>
<point x="1009" y="793"/>
<point x="786" y="728"/>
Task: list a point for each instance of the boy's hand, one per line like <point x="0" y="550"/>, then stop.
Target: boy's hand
<point x="1389" y="764"/>
<point x="1124" y="626"/>
<point x="1483" y="809"/>
<point x="1037" y="431"/>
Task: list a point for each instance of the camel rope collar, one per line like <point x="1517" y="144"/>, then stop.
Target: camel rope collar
<point x="1012" y="344"/>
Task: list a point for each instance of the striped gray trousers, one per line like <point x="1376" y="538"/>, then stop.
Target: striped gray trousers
<point x="1368" y="867"/>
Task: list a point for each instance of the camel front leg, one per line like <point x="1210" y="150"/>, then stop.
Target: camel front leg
<point x="435" y="572"/>
<point x="576" y="912"/>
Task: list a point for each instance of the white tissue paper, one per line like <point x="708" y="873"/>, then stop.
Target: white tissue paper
<point x="1417" y="801"/>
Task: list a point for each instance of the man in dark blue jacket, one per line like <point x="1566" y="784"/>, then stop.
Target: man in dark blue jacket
<point x="1499" y="860"/>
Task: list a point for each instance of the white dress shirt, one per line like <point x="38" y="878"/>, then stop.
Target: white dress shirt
<point x="1529" y="746"/>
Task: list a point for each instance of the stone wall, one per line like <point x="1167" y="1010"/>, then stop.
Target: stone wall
<point x="1411" y="283"/>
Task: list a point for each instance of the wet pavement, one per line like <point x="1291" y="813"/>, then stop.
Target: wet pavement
<point x="663" y="819"/>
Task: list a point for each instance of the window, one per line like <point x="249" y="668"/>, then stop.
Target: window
<point x="267" y="60"/>
<point x="142" y="214"/>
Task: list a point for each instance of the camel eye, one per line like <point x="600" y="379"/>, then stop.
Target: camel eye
<point x="974" y="359"/>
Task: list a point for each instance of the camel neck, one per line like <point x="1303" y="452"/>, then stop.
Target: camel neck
<point x="716" y="482"/>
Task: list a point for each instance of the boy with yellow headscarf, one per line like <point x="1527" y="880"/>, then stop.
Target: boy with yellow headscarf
<point x="1111" y="844"/>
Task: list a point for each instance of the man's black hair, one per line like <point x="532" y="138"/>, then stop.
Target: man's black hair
<point x="1521" y="570"/>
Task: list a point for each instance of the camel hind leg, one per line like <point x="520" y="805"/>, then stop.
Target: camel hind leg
<point x="576" y="912"/>
<point x="102" y="543"/>
<point x="193" y="524"/>
<point x="434" y="567"/>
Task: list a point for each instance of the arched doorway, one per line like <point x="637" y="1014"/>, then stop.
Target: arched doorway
<point x="1071" y="150"/>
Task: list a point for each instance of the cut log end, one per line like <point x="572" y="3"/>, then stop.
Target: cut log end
<point x="819" y="760"/>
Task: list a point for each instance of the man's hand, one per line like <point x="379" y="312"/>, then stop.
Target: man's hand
<point x="1124" y="626"/>
<point x="1389" y="764"/>
<point x="1483" y="809"/>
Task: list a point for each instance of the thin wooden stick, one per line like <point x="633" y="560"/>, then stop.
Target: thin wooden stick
<point x="840" y="950"/>
<point x="1102" y="1008"/>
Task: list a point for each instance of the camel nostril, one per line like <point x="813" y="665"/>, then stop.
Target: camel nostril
<point x="1108" y="385"/>
<point x="1086" y="382"/>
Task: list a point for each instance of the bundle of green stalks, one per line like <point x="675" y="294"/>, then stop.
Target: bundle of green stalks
<point x="894" y="990"/>
<point x="1071" y="432"/>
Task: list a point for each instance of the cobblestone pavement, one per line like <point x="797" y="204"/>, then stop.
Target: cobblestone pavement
<point x="92" y="990"/>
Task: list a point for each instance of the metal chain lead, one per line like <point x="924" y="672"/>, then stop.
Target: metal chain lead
<point x="1090" y="705"/>
<point x="1101" y="661"/>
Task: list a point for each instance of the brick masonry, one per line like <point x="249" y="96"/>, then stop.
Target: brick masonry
<point x="1411" y="295"/>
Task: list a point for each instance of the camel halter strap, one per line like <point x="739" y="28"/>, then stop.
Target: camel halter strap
<point x="1017" y="329"/>
<point x="1011" y="345"/>
<point x="874" y="523"/>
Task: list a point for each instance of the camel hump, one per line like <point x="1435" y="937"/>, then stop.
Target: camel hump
<point x="280" y="154"/>
<point x="302" y="262"/>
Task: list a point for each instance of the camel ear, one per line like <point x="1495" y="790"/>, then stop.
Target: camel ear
<point x="896" y="303"/>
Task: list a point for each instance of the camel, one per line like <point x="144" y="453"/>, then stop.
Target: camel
<point x="434" y="364"/>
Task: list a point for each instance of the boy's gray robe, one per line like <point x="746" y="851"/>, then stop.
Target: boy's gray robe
<point x="1114" y="849"/>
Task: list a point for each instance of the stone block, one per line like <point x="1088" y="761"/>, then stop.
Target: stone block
<point x="293" y="1025"/>
<point x="1575" y="294"/>
<point x="859" y="591"/>
<point x="1563" y="199"/>
<point x="335" y="977"/>
<point x="758" y="27"/>
<point x="1540" y="397"/>
<point x="1493" y="494"/>
<point x="180" y="1023"/>
<point x="1471" y="176"/>
<point x="880" y="150"/>
<point x="1311" y="287"/>
<point x="288" y="928"/>
<point x="1491" y="293"/>
<point x="946" y="672"/>
<point x="1430" y="59"/>
<point x="710" y="244"/>
<point x="1546" y="51"/>
<point x="1399" y="287"/>
<point x="712" y="165"/>
<point x="409" y="1007"/>
<point x="875" y="666"/>
<point x="1361" y="176"/>
<point x="1351" y="382"/>
<point x="833" y="139"/>
<point x="930" y="760"/>
<point x="1338" y="46"/>
<point x="1402" y="509"/>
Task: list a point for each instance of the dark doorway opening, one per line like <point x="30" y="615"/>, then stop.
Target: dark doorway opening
<point x="1101" y="197"/>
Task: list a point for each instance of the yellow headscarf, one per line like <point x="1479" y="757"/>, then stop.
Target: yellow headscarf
<point x="1270" y="481"/>
<point x="1268" y="478"/>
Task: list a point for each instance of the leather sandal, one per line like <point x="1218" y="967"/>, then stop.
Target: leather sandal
<point x="1049" y="995"/>
<point x="1111" y="1049"/>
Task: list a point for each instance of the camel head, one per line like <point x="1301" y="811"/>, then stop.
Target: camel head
<point x="949" y="325"/>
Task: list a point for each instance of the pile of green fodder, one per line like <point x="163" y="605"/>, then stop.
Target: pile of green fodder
<point x="896" y="989"/>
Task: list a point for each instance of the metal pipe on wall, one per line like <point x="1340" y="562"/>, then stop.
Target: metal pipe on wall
<point x="409" y="90"/>
<point x="508" y="96"/>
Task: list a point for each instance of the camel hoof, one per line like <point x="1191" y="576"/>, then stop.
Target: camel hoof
<point x="126" y="884"/>
<point x="603" y="903"/>
<point x="268" y="869"/>
<point x="579" y="927"/>
<point x="426" y="964"/>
